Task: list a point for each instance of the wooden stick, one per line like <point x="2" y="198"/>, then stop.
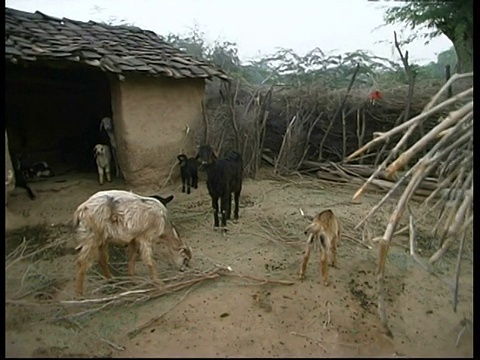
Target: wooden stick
<point x="21" y="257"/>
<point x="412" y="245"/>
<point x="457" y="270"/>
<point x="385" y="242"/>
<point x="134" y="332"/>
<point x="464" y="113"/>
<point x="340" y="107"/>
<point x="410" y="76"/>
<point x="450" y="81"/>
<point x="453" y="228"/>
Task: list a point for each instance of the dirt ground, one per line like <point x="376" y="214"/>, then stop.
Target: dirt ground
<point x="232" y="316"/>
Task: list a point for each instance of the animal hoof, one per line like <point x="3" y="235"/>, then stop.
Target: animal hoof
<point x="326" y="283"/>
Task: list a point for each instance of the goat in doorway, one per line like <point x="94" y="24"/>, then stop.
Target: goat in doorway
<point x="106" y="124"/>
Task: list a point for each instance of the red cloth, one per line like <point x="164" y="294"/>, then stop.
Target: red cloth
<point x="375" y="95"/>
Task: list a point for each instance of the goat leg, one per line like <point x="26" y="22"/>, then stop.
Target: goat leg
<point x="324" y="265"/>
<point x="236" y="199"/>
<point x="131" y="252"/>
<point x="306" y="257"/>
<point x="146" y="256"/>
<point x="22" y="183"/>
<point x="31" y="195"/>
<point x="225" y="200"/>
<point x="100" y="174"/>
<point x="195" y="181"/>
<point x="228" y="205"/>
<point x="83" y="264"/>
<point x="334" y="251"/>
<point x="107" y="173"/>
<point x="103" y="261"/>
<point x="215" y="211"/>
<point x="189" y="180"/>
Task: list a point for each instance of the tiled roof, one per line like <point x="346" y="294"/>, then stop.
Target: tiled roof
<point x="116" y="49"/>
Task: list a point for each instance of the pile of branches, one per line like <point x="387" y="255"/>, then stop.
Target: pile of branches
<point x="448" y="154"/>
<point x="289" y="125"/>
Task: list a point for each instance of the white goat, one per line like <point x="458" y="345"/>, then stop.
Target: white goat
<point x="124" y="218"/>
<point x="103" y="158"/>
<point x="106" y="124"/>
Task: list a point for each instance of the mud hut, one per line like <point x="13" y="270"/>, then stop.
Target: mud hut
<point x="63" y="76"/>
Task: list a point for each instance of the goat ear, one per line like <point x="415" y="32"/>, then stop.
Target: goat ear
<point x="186" y="251"/>
<point x="168" y="199"/>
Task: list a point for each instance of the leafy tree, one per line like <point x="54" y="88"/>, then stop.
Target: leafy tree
<point x="454" y="19"/>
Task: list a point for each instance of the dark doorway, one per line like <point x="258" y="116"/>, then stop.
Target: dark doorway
<point x="53" y="114"/>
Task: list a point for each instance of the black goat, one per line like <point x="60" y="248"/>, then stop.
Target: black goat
<point x="188" y="171"/>
<point x="20" y="180"/>
<point x="224" y="177"/>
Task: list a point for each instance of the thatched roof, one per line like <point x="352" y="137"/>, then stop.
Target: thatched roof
<point x="35" y="36"/>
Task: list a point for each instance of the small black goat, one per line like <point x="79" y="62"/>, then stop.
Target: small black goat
<point x="20" y="179"/>
<point x="188" y="171"/>
<point x="224" y="177"/>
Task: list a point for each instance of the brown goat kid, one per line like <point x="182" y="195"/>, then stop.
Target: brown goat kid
<point x="123" y="218"/>
<point x="324" y="231"/>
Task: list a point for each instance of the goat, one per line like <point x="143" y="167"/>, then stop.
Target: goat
<point x="103" y="158"/>
<point x="120" y="217"/>
<point x="224" y="176"/>
<point x="20" y="179"/>
<point x="188" y="171"/>
<point x="325" y="231"/>
<point x="106" y="124"/>
<point x="40" y="169"/>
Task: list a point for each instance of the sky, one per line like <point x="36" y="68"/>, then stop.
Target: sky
<point x="258" y="27"/>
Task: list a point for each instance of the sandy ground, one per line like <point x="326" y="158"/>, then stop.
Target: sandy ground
<point x="234" y="316"/>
